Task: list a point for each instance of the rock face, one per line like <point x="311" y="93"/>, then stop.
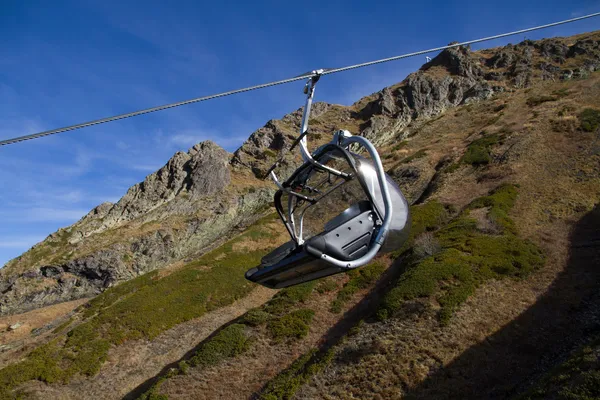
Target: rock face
<point x="176" y="212"/>
<point x="199" y="196"/>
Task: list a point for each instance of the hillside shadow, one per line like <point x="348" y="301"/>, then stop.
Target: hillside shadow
<point x="508" y="362"/>
<point x="363" y="310"/>
<point x="146" y="385"/>
<point x="351" y="318"/>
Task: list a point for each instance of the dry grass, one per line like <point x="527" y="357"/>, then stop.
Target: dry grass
<point x="555" y="165"/>
<point x="34" y="319"/>
<point x="559" y="179"/>
<point x="265" y="359"/>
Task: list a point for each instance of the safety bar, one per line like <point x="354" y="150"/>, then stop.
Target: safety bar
<point x="346" y="139"/>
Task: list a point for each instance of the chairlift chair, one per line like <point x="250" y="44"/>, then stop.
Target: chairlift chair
<point x="377" y="219"/>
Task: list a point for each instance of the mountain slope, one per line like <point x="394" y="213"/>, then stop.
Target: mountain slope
<point x="497" y="149"/>
<point x="180" y="210"/>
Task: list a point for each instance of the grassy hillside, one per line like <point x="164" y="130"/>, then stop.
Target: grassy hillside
<point x="493" y="296"/>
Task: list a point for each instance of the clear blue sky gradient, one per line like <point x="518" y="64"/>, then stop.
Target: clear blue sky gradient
<point x="66" y="62"/>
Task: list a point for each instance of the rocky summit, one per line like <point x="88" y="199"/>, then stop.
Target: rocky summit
<point x="494" y="296"/>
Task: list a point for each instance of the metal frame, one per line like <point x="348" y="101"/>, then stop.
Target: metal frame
<point x="341" y="140"/>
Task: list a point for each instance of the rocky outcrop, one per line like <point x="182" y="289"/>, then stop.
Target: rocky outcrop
<point x="196" y="199"/>
<point x="262" y="147"/>
<point x="176" y="212"/>
<point x="468" y="78"/>
<point x="202" y="171"/>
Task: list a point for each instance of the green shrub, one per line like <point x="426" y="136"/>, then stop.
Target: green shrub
<point x="326" y="285"/>
<point x="229" y="342"/>
<point x="293" y="325"/>
<point x="285" y="385"/>
<point x="499" y="107"/>
<point x="589" y="119"/>
<point x="400" y="145"/>
<point x="501" y="201"/>
<point x="479" y="151"/>
<point x="270" y="153"/>
<point x="424" y="217"/>
<point x="287" y="297"/>
<point x="561" y="92"/>
<point x="184" y="367"/>
<point x="452" y="167"/>
<point x="255" y="317"/>
<point x="468" y="258"/>
<point x="62" y="326"/>
<point x="537" y="100"/>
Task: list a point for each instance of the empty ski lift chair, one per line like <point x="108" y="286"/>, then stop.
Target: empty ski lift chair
<point x="341" y="209"/>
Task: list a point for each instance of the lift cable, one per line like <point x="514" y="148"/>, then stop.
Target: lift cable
<point x="284" y="81"/>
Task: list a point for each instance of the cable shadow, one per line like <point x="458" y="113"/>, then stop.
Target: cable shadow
<point x="508" y="362"/>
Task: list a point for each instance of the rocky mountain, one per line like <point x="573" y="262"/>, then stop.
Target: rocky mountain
<point x="200" y="196"/>
<point x="497" y="150"/>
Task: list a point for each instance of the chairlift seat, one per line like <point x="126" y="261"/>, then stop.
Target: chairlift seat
<point x="347" y="237"/>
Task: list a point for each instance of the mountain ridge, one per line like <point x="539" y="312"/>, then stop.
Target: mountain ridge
<point x="497" y="284"/>
<point x="179" y="210"/>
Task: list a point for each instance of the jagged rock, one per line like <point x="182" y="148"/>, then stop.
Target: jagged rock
<point x="553" y="50"/>
<point x="502" y="59"/>
<point x="567" y="74"/>
<point x="261" y="149"/>
<point x="478" y="92"/>
<point x="15" y="326"/>
<point x="457" y="61"/>
<point x="208" y="169"/>
<point x="494" y="76"/>
<point x="584" y="47"/>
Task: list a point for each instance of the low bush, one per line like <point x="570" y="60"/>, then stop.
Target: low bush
<point x="468" y="258"/>
<point x="479" y="151"/>
<point x="255" y="317"/>
<point x="285" y="385"/>
<point x="419" y="154"/>
<point x="282" y="301"/>
<point x="426" y="245"/>
<point x="326" y="285"/>
<point x="424" y="217"/>
<point x="589" y="119"/>
<point x="400" y="145"/>
<point x="499" y="107"/>
<point x="537" y="100"/>
<point x="229" y="342"/>
<point x="294" y="325"/>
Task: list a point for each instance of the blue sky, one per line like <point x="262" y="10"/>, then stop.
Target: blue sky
<point x="66" y="62"/>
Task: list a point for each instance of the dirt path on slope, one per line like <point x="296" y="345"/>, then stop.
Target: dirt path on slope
<point x="136" y="361"/>
<point x="15" y="343"/>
